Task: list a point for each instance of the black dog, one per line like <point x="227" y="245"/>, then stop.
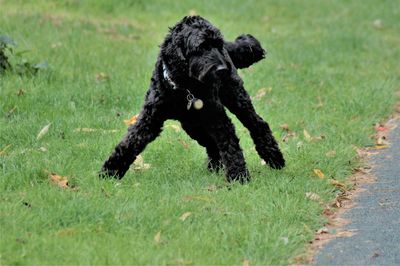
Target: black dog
<point x="194" y="78"/>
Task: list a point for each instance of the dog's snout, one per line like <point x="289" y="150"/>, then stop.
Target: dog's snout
<point x="222" y="70"/>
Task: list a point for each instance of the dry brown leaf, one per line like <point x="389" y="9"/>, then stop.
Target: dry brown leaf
<point x="175" y="127"/>
<point x="380" y="147"/>
<point x="339" y="185"/>
<point x="61" y="181"/>
<point x="157" y="237"/>
<point x="67" y="232"/>
<point x="320" y="103"/>
<point x="262" y="92"/>
<point x="346" y="233"/>
<point x="246" y="262"/>
<point x="101" y="76"/>
<point x="307" y="135"/>
<point x="323" y="230"/>
<point x="319" y="173"/>
<point x="43" y="149"/>
<point x="3" y="151"/>
<point x="184" y="216"/>
<point x="288" y="136"/>
<point x="192" y="12"/>
<point x="313" y="196"/>
<point x="330" y="153"/>
<point x="139" y="164"/>
<point x="21" y="92"/>
<point x="378" y="24"/>
<point x="43" y="131"/>
<point x="285" y="127"/>
<point x="213" y="187"/>
<point x="184" y="144"/>
<point x="131" y="120"/>
<point x="382" y="141"/>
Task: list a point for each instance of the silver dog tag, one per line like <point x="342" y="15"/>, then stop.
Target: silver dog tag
<point x="189" y="104"/>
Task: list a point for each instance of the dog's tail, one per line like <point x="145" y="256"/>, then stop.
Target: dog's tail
<point x="245" y="51"/>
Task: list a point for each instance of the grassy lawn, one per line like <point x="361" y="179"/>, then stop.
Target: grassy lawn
<point x="332" y="70"/>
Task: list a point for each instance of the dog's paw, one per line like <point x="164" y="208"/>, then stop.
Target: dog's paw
<point x="275" y="159"/>
<point x="242" y="177"/>
<point x="106" y="173"/>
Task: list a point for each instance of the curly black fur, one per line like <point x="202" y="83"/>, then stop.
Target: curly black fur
<point x="195" y="59"/>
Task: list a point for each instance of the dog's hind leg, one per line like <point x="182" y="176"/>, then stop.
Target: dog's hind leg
<point x="237" y="100"/>
<point x="198" y="133"/>
<point x="145" y="130"/>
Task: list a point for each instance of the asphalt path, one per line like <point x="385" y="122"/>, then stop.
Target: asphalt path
<point x="375" y="217"/>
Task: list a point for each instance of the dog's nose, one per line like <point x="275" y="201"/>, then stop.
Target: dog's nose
<point x="222" y="71"/>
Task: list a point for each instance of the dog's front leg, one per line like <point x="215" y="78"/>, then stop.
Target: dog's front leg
<point x="145" y="130"/>
<point x="238" y="101"/>
<point x="222" y="131"/>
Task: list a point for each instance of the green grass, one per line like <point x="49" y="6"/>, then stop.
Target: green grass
<point x="332" y="73"/>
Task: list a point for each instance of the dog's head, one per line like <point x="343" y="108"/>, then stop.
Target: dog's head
<point x="194" y="49"/>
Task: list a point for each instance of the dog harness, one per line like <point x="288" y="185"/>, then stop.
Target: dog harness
<point x="192" y="101"/>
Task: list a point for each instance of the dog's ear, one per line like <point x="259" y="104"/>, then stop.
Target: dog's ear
<point x="245" y="51"/>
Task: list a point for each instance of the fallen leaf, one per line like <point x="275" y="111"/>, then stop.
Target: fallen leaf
<point x="288" y="136"/>
<point x="66" y="232"/>
<point x="285" y="240"/>
<point x="320" y="103"/>
<point x="139" y="164"/>
<point x="346" y="233"/>
<point x="382" y="141"/>
<point x="43" y="131"/>
<point x="285" y="127"/>
<point x="330" y="153"/>
<point x="319" y="173"/>
<point x="338" y="185"/>
<point x="131" y="120"/>
<point x="262" y="92"/>
<point x="175" y="127"/>
<point x="3" y="151"/>
<point x="184" y="144"/>
<point x="101" y="76"/>
<point x="42" y="149"/>
<point x="157" y="237"/>
<point x="380" y="147"/>
<point x="21" y="92"/>
<point x="299" y="144"/>
<point x="378" y="24"/>
<point x="307" y="135"/>
<point x="323" y="230"/>
<point x="11" y="111"/>
<point x="312" y="196"/>
<point x="192" y="12"/>
<point x="184" y="216"/>
<point x="246" y="263"/>
<point x="213" y="187"/>
<point x="56" y="45"/>
<point x="61" y="181"/>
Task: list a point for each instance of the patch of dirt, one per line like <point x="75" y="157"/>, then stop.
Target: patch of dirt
<point x="344" y="201"/>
